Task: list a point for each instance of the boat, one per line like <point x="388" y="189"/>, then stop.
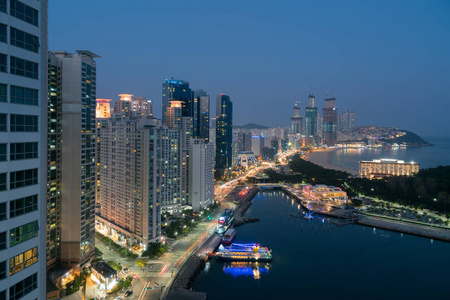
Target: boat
<point x="228" y="236"/>
<point x="244" y="252"/>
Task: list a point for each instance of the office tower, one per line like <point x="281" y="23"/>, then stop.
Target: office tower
<point x="201" y="184"/>
<point x="76" y="173"/>
<point x="330" y="122"/>
<point x="123" y="105"/>
<point x="201" y="104"/>
<point x="296" y="120"/>
<point x="103" y="109"/>
<point x="177" y="90"/>
<point x="311" y="118"/>
<point x="224" y="132"/>
<point x="256" y="145"/>
<point x="140" y="106"/>
<point x="23" y="142"/>
<point x="352" y="120"/>
<point x="131" y="172"/>
<point x="244" y="139"/>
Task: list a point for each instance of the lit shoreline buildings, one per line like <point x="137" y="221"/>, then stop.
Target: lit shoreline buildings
<point x="379" y="168"/>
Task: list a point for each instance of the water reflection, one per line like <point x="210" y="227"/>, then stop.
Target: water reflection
<point x="242" y="268"/>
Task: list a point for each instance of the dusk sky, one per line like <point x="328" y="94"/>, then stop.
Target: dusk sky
<point x="387" y="60"/>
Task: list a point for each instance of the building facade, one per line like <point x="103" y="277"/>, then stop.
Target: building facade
<point x="330" y="120"/>
<point x="296" y="120"/>
<point x="76" y="171"/>
<point x="379" y="168"/>
<point x="224" y="132"/>
<point x="23" y="148"/>
<point x="177" y="90"/>
<point x="201" y="184"/>
<point x="132" y="178"/>
<point x="201" y="102"/>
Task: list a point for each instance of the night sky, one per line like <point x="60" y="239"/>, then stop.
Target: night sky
<point x="387" y="60"/>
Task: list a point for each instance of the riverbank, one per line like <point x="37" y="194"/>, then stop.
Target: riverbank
<point x="323" y="158"/>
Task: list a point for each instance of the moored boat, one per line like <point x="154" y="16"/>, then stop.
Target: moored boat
<point x="228" y="236"/>
<point x="245" y="252"/>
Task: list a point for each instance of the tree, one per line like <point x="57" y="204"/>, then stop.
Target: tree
<point x="141" y="263"/>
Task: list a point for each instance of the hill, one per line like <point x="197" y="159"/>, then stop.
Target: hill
<point x="250" y="126"/>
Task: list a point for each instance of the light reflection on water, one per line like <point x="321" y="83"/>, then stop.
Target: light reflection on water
<point x="241" y="268"/>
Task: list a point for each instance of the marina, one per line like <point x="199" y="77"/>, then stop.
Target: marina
<point x="339" y="256"/>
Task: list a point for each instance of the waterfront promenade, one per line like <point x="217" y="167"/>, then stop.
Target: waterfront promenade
<point x="378" y="222"/>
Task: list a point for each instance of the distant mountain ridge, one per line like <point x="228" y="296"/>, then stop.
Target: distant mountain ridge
<point x="250" y="126"/>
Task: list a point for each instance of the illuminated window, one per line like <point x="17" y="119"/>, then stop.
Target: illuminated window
<point x="23" y="260"/>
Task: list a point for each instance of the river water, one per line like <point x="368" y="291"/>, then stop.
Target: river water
<point x="317" y="260"/>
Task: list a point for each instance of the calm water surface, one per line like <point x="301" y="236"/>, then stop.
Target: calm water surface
<point x="316" y="260"/>
<point x="427" y="157"/>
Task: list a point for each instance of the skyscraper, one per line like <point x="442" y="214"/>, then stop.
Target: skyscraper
<point x="352" y="120"/>
<point x="311" y="118"/>
<point x="201" y="114"/>
<point x="330" y="122"/>
<point x="224" y="132"/>
<point x="174" y="89"/>
<point x="23" y="142"/>
<point x="75" y="170"/>
<point x="296" y="120"/>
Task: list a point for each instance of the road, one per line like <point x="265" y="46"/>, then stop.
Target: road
<point x="156" y="275"/>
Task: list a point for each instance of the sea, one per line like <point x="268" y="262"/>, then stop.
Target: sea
<point x="315" y="259"/>
<point x="428" y="157"/>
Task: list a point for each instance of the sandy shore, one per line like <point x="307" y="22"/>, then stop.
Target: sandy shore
<point x="322" y="157"/>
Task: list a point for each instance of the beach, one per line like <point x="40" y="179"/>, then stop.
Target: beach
<point x="322" y="157"/>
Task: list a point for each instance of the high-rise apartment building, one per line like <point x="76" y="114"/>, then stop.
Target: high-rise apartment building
<point x="296" y="120"/>
<point x="352" y="120"/>
<point x="123" y="105"/>
<point x="224" y="132"/>
<point x="103" y="109"/>
<point x="133" y="168"/>
<point x="311" y="118"/>
<point x="201" y="163"/>
<point x="201" y="102"/>
<point x="178" y="90"/>
<point x="72" y="179"/>
<point x="330" y="122"/>
<point x="140" y="106"/>
<point x="23" y="148"/>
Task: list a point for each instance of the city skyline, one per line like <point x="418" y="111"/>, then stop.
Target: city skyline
<point x="387" y="58"/>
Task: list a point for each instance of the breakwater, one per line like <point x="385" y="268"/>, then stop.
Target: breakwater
<point x="408" y="228"/>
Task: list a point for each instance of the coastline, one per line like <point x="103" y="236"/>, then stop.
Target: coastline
<point x="323" y="158"/>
